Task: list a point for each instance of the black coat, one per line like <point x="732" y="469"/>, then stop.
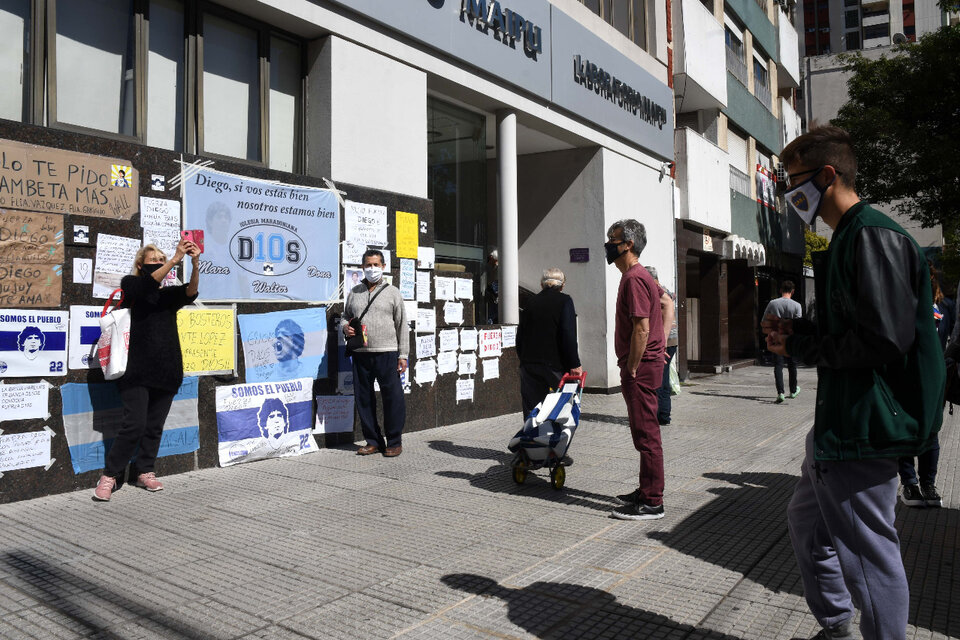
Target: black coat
<point x="548" y="331"/>
<point x="154" y="359"/>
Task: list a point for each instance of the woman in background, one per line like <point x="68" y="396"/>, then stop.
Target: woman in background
<point x="154" y="364"/>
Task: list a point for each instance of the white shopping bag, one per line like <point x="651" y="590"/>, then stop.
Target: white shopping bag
<point x="114" y="343"/>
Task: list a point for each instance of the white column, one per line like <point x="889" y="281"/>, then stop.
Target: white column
<point x="507" y="218"/>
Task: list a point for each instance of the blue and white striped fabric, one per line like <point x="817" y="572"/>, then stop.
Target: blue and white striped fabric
<point x="91" y="420"/>
<point x="265" y="420"/>
<point x="550" y="426"/>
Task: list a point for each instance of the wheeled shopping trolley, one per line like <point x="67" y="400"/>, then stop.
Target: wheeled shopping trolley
<point x="546" y="435"/>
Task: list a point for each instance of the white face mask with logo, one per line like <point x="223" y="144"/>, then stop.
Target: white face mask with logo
<point x="806" y="198"/>
<point x="372" y="274"/>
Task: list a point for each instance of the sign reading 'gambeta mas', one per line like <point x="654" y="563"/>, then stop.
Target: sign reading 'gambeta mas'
<point x="594" y="78"/>
<point x="509" y="25"/>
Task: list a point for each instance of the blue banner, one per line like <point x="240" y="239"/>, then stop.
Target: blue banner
<point x="284" y="345"/>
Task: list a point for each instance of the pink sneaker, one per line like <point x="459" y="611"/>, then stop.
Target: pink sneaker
<point x="104" y="489"/>
<point x="149" y="482"/>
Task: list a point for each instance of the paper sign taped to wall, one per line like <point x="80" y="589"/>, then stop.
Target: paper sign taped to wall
<point x="24" y="401"/>
<point x="115" y="256"/>
<point x="449" y="340"/>
<point x="365" y="224"/>
<point x="24" y="450"/>
<point x="491" y="369"/>
<point x="445" y="288"/>
<point x="446" y="362"/>
<point x="468" y="339"/>
<point x="31" y="259"/>
<point x="159" y="212"/>
<point x="464" y="390"/>
<point x="84" y="333"/>
<point x="508" y="335"/>
<point x="453" y="312"/>
<point x="467" y="364"/>
<point x="208" y="340"/>
<point x="464" y="288"/>
<point x="334" y="414"/>
<point x="490" y="343"/>
<point x="407" y="234"/>
<point x="425" y="372"/>
<point x="408" y="279"/>
<point x="426" y="346"/>
<point x="75" y="183"/>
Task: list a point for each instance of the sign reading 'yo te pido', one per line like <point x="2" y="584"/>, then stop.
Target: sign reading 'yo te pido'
<point x="263" y="240"/>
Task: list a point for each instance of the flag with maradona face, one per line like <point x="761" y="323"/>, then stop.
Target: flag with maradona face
<point x="265" y="420"/>
<point x="284" y="345"/>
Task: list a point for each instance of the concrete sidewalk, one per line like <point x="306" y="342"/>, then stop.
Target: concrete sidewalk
<point x="440" y="542"/>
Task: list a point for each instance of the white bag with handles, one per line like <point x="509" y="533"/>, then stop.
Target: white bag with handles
<point x="114" y="343"/>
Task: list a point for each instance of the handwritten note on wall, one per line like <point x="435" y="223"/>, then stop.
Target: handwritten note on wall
<point x="31" y="259"/>
<point x="208" y="339"/>
<point x="25" y="450"/>
<point x="24" y="401"/>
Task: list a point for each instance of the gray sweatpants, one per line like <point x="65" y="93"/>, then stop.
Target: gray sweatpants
<point x="841" y="524"/>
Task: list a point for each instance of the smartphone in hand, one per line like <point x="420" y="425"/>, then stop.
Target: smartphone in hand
<point x="195" y="236"/>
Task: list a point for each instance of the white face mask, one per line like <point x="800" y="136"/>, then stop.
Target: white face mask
<point x="372" y="274"/>
<point x="806" y="198"/>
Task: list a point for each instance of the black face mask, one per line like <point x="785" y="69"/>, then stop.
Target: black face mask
<point x="148" y="269"/>
<point x="612" y="253"/>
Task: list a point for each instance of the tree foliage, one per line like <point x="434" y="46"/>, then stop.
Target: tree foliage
<point x="904" y="116"/>
<point x="812" y="242"/>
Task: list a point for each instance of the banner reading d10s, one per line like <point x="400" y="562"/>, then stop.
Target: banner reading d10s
<point x="263" y="240"/>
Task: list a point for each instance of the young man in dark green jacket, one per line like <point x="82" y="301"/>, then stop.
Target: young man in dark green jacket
<point x="879" y="395"/>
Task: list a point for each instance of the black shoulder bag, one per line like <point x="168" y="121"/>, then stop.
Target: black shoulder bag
<point x="356" y="341"/>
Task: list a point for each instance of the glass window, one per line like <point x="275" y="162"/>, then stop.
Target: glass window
<point x="877" y="31"/>
<point x="95" y="57"/>
<point x="14" y="58"/>
<point x="231" y="89"/>
<point x="165" y="75"/>
<point x="852" y="19"/>
<point x="593" y="5"/>
<point x="640" y="23"/>
<point x="457" y="183"/>
<point x="285" y="89"/>
<point x="734" y="43"/>
<point x="853" y="41"/>
<point x="760" y="74"/>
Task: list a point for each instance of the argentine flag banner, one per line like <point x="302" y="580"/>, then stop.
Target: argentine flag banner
<point x="265" y="420"/>
<point x="284" y="345"/>
<point x="91" y="420"/>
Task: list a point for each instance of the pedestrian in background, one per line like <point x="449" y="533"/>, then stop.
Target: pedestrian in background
<point x="787" y="308"/>
<point x="640" y="346"/>
<point x="879" y="395"/>
<point x="547" y="340"/>
<point x="378" y="307"/>
<point x="922" y="491"/>
<point x="154" y="364"/>
<point x="668" y="305"/>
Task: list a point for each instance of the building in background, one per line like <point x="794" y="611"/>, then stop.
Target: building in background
<point x="735" y="81"/>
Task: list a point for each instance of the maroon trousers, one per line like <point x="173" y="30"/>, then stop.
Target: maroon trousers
<point x="640" y="394"/>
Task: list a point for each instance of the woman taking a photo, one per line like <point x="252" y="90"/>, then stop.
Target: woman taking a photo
<point x="154" y="364"/>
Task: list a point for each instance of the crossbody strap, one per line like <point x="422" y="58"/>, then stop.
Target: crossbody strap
<point x="367" y="308"/>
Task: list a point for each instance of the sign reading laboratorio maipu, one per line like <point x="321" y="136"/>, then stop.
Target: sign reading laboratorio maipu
<point x="51" y="180"/>
<point x="263" y="240"/>
<point x="33" y="343"/>
<point x="265" y="420"/>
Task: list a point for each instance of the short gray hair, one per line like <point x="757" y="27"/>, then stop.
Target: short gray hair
<point x="552" y="277"/>
<point x="652" y="271"/>
<point x="633" y="231"/>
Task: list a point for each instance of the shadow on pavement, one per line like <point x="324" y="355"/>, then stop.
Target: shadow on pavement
<point x="764" y="399"/>
<point x="757" y="504"/>
<point x="561" y="610"/>
<point x="84" y="602"/>
<point x="499" y="478"/>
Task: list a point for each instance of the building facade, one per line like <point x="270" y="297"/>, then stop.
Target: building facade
<point x="735" y="85"/>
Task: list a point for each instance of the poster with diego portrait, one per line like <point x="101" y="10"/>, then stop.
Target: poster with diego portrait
<point x="263" y="240"/>
<point x="283" y="345"/>
<point x="265" y="420"/>
<point x="33" y="343"/>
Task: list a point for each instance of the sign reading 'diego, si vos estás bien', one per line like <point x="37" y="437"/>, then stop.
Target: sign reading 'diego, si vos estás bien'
<point x="256" y="238"/>
<point x="58" y="181"/>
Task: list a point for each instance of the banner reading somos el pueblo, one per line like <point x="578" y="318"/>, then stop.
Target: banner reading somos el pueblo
<point x="263" y="240"/>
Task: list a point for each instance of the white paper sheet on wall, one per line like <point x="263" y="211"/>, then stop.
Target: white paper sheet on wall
<point x="426" y="346"/>
<point x="453" y="312"/>
<point x="425" y="257"/>
<point x="425" y="372"/>
<point x="467" y="364"/>
<point x="508" y="336"/>
<point x="464" y="289"/>
<point x="449" y="340"/>
<point x="491" y="369"/>
<point x="446" y="362"/>
<point x="423" y="286"/>
<point x="445" y="288"/>
<point x="426" y="321"/>
<point x="408" y="279"/>
<point x="159" y="212"/>
<point x="468" y="339"/>
<point x="365" y="224"/>
<point x="114" y="259"/>
<point x="24" y="401"/>
<point x="464" y="390"/>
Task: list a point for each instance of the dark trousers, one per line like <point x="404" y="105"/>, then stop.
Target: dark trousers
<point x="144" y="411"/>
<point x="927" y="461"/>
<point x="778" y="372"/>
<point x="664" y="406"/>
<point x="381" y="367"/>
<point x="536" y="381"/>
<point x="640" y="394"/>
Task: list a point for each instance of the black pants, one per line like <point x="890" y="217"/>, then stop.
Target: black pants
<point x="381" y="367"/>
<point x="536" y="381"/>
<point x="144" y="412"/>
<point x="778" y="372"/>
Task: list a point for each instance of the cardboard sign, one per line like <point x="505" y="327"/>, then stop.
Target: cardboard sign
<point x="31" y="259"/>
<point x="58" y="181"/>
<point x="208" y="340"/>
